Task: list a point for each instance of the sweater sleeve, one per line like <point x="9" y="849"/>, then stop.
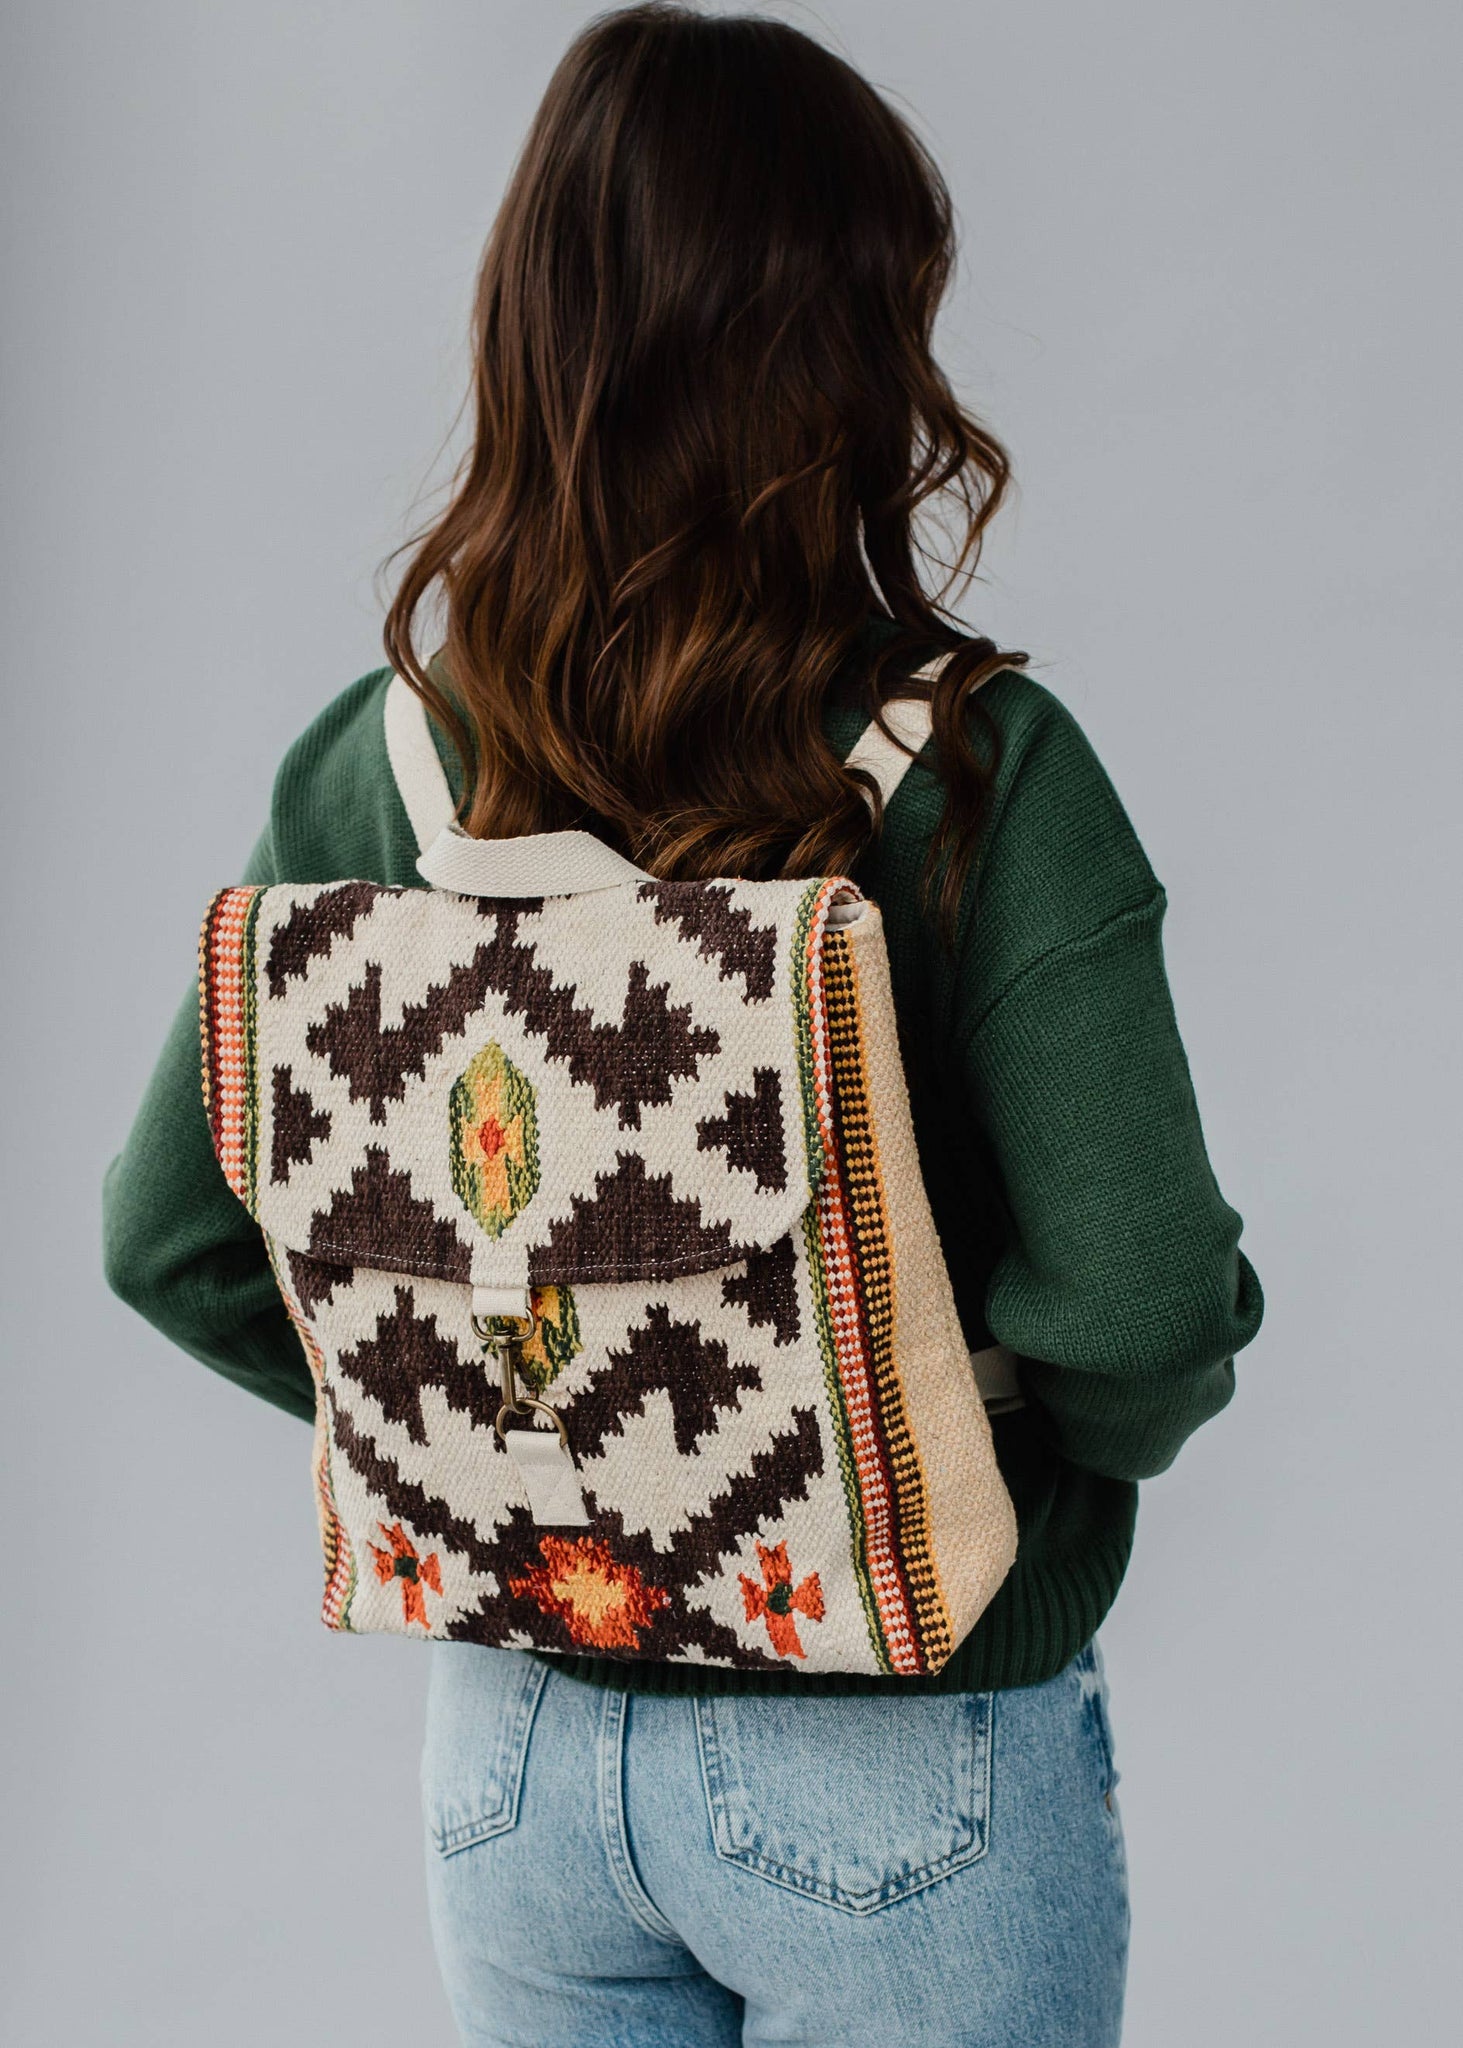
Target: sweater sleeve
<point x="178" y="1244"/>
<point x="1121" y="1285"/>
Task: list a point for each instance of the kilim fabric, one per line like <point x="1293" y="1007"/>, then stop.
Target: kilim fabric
<point x="1059" y="1144"/>
<point x="675" y="1117"/>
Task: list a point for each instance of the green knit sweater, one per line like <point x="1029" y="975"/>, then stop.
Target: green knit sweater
<point x="1057" y="1132"/>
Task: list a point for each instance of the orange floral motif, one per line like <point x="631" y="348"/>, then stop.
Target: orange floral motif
<point x="604" y="1604"/>
<point x="402" y="1563"/>
<point x="777" y="1599"/>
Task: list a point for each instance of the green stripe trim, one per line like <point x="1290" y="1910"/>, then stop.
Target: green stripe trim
<point x="843" y="1438"/>
<point x="803" y="1023"/>
<point x="250" y="991"/>
<point x="818" y="1278"/>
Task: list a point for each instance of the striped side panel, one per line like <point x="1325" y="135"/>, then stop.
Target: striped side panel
<point x="917" y="1624"/>
<point x="847" y="1238"/>
<point x="340" y="1563"/>
<point x="820" y="1235"/>
<point x="227" y="998"/>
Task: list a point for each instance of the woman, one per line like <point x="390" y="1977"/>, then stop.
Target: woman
<point x="678" y="574"/>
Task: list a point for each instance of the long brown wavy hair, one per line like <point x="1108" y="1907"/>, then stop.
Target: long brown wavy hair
<point x="707" y="415"/>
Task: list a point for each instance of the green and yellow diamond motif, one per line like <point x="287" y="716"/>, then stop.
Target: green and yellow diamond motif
<point x="555" y="1340"/>
<point x="494" y="1139"/>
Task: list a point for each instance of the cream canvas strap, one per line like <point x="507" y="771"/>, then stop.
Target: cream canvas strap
<point x="885" y="751"/>
<point x="421" y="779"/>
<point x="886" y="748"/>
<point x="542" y="864"/>
<point x="995" y="1375"/>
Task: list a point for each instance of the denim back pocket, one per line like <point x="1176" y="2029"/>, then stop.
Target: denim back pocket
<point x="856" y="1800"/>
<point x="480" y="1710"/>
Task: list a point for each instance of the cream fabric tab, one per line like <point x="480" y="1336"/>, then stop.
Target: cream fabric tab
<point x="995" y="1375"/>
<point x="502" y="1301"/>
<point x="540" y="864"/>
<point x="547" y="1470"/>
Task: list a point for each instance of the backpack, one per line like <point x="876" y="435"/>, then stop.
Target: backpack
<point x="595" y="1203"/>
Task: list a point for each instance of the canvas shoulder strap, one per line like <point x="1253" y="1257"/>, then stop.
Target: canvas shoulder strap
<point x="420" y="777"/>
<point x="542" y="864"/>
<point x="881" y="751"/>
<point x="887" y="755"/>
<point x="887" y="751"/>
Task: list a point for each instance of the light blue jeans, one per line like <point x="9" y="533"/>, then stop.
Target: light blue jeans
<point x="609" y="1870"/>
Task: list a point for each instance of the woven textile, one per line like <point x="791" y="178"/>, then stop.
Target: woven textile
<point x="674" y="1116"/>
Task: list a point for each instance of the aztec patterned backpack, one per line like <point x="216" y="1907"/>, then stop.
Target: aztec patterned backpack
<point x="594" y="1200"/>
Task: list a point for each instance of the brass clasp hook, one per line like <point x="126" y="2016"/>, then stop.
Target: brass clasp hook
<point x="503" y="1337"/>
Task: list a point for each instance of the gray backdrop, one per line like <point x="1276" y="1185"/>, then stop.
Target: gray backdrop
<point x="1210" y="297"/>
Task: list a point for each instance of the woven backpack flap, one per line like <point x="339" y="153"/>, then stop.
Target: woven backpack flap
<point x="598" y="1213"/>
